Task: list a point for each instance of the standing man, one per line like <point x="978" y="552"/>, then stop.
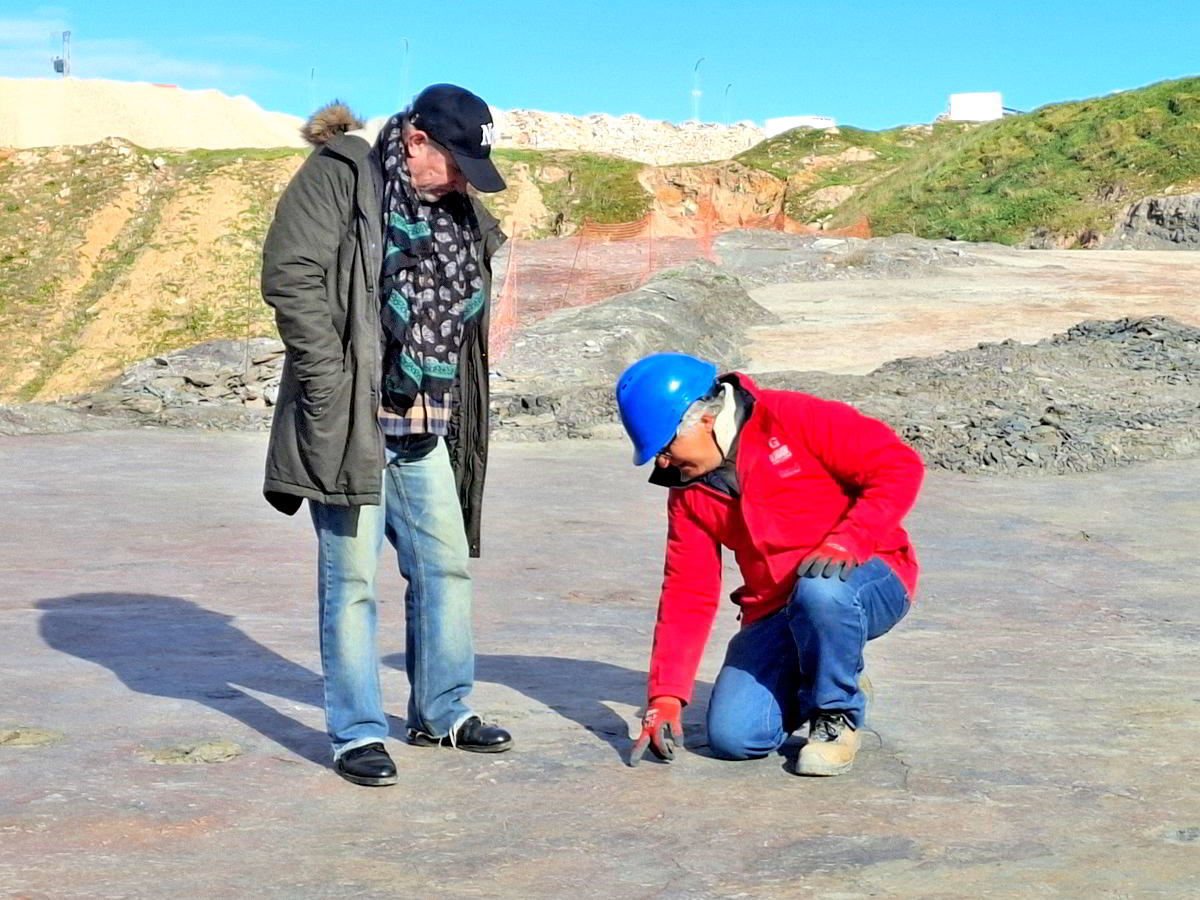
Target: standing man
<point x="809" y="495"/>
<point x="378" y="266"/>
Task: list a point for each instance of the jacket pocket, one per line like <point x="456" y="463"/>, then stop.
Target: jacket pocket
<point x="322" y="429"/>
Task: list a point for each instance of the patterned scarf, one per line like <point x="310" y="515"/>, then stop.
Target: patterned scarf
<point x="430" y="285"/>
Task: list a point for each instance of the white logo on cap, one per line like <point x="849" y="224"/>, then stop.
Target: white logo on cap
<point x="489" y="134"/>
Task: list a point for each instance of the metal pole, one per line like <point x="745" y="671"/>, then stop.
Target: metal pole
<point x="696" y="90"/>
<point x="405" y="97"/>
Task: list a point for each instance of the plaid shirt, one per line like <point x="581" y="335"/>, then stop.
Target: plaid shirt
<point x="427" y="415"/>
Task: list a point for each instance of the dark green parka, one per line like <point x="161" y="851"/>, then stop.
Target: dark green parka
<point x="321" y="263"/>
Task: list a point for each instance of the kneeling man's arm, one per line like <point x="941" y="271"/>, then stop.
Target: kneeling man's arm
<point x="884" y="473"/>
<point x="686" y="608"/>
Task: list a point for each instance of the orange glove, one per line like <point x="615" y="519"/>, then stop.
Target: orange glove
<point x="662" y="726"/>
<point x="826" y="560"/>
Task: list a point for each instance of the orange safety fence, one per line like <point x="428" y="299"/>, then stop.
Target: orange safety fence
<point x="604" y="259"/>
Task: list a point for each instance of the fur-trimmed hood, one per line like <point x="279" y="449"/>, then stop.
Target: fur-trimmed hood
<point x="329" y="121"/>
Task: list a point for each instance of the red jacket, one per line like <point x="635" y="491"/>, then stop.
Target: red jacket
<point x="808" y="470"/>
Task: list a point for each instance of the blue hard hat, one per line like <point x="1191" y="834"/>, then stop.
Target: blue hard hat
<point x="654" y="393"/>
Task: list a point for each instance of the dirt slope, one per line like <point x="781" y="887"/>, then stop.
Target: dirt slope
<point x="110" y="253"/>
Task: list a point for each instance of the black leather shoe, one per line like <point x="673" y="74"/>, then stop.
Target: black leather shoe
<point x="474" y="735"/>
<point x="368" y="764"/>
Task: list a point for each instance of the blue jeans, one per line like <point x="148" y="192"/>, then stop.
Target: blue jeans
<point x="804" y="658"/>
<point x="421" y="518"/>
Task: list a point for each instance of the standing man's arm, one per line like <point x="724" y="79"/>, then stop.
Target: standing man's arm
<point x="300" y="249"/>
<point x="883" y="472"/>
<point x="686" y="609"/>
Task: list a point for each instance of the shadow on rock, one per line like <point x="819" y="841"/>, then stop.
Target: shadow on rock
<point x="577" y="689"/>
<point x="171" y="647"/>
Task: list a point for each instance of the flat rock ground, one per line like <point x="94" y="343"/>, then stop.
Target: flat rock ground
<point x="851" y="326"/>
<point x="1033" y="731"/>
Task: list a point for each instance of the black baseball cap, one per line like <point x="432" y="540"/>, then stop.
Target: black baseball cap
<point x="462" y="123"/>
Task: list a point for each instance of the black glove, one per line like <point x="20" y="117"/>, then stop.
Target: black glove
<point x="826" y="560"/>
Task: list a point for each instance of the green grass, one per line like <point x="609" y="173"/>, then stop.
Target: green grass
<point x="793" y="152"/>
<point x="1065" y="169"/>
<point x="234" y="308"/>
<point x="197" y="162"/>
<point x="597" y="187"/>
<point x="135" y="235"/>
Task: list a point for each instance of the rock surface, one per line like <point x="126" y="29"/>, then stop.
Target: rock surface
<point x="1160" y="223"/>
<point x="760" y="257"/>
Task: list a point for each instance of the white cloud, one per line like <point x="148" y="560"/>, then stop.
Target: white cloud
<point x="28" y="45"/>
<point x="41" y="31"/>
<point x="134" y="60"/>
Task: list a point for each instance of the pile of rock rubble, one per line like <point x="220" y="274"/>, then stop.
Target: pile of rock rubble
<point x="1101" y="394"/>
<point x="218" y="384"/>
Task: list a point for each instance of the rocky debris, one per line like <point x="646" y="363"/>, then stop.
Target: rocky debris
<point x="43" y="418"/>
<point x="218" y="384"/>
<point x="1100" y="395"/>
<point x="1159" y="223"/>
<point x="764" y="257"/>
<point x="629" y="136"/>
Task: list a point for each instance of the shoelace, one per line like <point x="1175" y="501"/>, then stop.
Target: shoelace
<point x="827" y="726"/>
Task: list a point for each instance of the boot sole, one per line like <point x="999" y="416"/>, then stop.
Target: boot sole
<point x="367" y="781"/>
<point x="822" y="771"/>
<point x="424" y="742"/>
<point x="418" y="740"/>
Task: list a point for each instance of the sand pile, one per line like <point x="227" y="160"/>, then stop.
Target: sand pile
<point x="47" y="112"/>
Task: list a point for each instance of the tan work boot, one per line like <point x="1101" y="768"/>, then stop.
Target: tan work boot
<point x="832" y="745"/>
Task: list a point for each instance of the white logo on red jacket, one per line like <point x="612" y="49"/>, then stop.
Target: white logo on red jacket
<point x="779" y="453"/>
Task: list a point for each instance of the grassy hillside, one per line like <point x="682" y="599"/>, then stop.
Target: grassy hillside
<point x="573" y="186"/>
<point x="1064" y="170"/>
<point x="813" y="161"/>
<point x="110" y="253"/>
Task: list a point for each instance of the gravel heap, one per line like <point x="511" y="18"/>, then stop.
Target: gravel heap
<point x="1100" y="395"/>
<point x="218" y="384"/>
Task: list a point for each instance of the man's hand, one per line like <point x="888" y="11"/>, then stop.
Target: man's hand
<point x="826" y="560"/>
<point x="662" y="726"/>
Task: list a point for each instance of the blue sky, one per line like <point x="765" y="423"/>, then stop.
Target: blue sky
<point x="872" y="64"/>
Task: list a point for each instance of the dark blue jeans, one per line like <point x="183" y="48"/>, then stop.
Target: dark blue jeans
<point x="804" y="658"/>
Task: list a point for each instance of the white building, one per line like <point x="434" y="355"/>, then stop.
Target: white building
<point x="979" y="107"/>
<point x="787" y="123"/>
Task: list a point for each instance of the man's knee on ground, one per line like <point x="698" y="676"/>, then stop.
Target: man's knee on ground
<point x="731" y="738"/>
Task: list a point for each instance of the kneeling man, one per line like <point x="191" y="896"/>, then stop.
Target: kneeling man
<point x="809" y="495"/>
